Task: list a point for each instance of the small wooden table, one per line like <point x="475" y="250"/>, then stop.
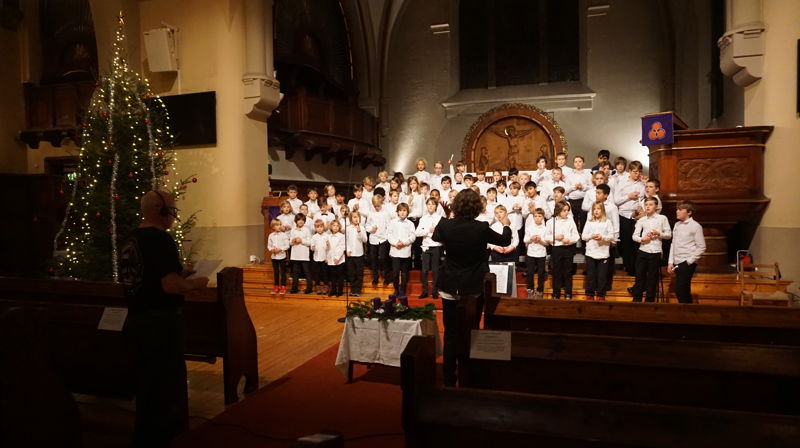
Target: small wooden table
<point x="371" y="341"/>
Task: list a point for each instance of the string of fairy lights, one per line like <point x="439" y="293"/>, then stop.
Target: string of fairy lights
<point x="121" y="99"/>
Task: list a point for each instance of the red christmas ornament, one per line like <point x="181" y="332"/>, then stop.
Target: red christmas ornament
<point x="98" y="214"/>
<point x="61" y="192"/>
<point x="183" y="187"/>
<point x="190" y="264"/>
<point x="105" y="114"/>
<point x="97" y="84"/>
<point x="166" y="172"/>
<point x="148" y="95"/>
<point x="130" y="174"/>
<point x="51" y="270"/>
<point x="194" y="179"/>
<point x="116" y="196"/>
<point x="86" y="125"/>
<point x="110" y="161"/>
<point x="146" y="121"/>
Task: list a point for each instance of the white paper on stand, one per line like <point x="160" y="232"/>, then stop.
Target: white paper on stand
<point x="204" y="268"/>
<point x="113" y="318"/>
<point x="501" y="271"/>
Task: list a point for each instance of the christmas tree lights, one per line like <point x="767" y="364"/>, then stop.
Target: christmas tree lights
<point x="126" y="150"/>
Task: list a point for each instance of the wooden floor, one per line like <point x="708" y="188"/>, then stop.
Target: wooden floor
<point x="289" y="334"/>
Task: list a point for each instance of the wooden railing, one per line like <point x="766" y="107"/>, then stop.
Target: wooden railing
<point x="331" y="128"/>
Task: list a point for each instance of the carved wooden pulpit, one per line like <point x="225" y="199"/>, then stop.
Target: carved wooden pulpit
<point x="722" y="171"/>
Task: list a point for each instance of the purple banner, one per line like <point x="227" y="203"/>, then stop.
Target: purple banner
<point x="657" y="129"/>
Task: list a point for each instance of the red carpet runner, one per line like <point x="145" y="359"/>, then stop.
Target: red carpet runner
<point x="311" y="398"/>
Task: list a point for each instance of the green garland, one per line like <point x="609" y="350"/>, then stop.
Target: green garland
<point x="364" y="310"/>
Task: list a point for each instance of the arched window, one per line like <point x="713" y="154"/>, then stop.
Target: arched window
<point x="513" y="42"/>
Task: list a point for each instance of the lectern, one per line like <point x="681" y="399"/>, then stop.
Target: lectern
<point x="722" y="171"/>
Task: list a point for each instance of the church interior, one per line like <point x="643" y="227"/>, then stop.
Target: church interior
<point x="269" y="99"/>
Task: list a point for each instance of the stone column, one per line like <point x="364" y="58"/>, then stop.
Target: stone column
<point x="741" y="48"/>
<point x="772" y="100"/>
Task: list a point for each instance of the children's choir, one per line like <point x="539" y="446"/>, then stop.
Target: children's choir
<point x="554" y="212"/>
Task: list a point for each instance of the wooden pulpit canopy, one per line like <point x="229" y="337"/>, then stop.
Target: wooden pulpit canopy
<point x="512" y="136"/>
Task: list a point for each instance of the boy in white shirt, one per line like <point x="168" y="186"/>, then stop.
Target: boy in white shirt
<point x="648" y="232"/>
<point x="435" y="179"/>
<point x="312" y="203"/>
<point x="359" y="203"/>
<point x="533" y="200"/>
<point x="401" y="236"/>
<point x="491" y="201"/>
<point x="355" y="237"/>
<point x="391" y="206"/>
<point x="300" y="239"/>
<point x="626" y="197"/>
<point x="378" y="226"/>
<point x="558" y="196"/>
<point x="445" y="191"/>
<point x="561" y="162"/>
<point x="293" y="199"/>
<point x="651" y="189"/>
<point x="688" y="244"/>
<point x="431" y="250"/>
<point x="482" y="184"/>
<point x="325" y="214"/>
<point x="589" y="199"/>
<point x="556" y="180"/>
<point x="535" y="240"/>
<point x="278" y="245"/>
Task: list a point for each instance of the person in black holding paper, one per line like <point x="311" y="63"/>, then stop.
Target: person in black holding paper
<point x="461" y="277"/>
<point x="155" y="281"/>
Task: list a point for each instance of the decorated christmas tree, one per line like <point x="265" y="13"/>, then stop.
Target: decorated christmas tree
<point x="126" y="150"/>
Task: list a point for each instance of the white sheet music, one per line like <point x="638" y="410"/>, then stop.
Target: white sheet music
<point x="204" y="268"/>
<point x="501" y="271"/>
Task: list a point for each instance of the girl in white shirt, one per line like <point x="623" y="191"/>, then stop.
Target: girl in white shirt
<point x="278" y="245"/>
<point x="401" y="236"/>
<point x="356" y="236"/>
<point x="562" y="234"/>
<point x="335" y="258"/>
<point x="300" y="238"/>
<point x="431" y="250"/>
<point x="330" y="195"/>
<point x="319" y="268"/>
<point x="416" y="208"/>
<point x="599" y="235"/>
<point x="499" y="253"/>
<point x="421" y="174"/>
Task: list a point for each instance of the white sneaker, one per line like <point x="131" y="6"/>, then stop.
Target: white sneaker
<point x="530" y="293"/>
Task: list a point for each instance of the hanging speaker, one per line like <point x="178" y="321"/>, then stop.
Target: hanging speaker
<point x="161" y="52"/>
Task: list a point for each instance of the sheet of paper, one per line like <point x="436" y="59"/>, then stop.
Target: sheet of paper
<point x="113" y="319"/>
<point x="204" y="268"/>
<point x="501" y="271"/>
<point x="485" y="344"/>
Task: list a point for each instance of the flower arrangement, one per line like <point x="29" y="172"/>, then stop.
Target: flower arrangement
<point x="393" y="308"/>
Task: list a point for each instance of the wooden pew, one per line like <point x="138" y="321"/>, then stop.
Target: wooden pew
<point x="758" y="325"/>
<point x="94" y="361"/>
<point x="435" y="416"/>
<point x="720" y="375"/>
